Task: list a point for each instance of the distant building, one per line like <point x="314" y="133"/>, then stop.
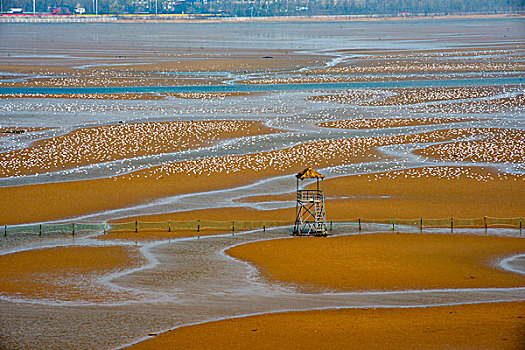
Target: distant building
<point x="142" y="5"/>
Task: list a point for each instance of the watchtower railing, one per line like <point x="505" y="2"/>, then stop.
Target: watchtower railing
<point x="309" y="195"/>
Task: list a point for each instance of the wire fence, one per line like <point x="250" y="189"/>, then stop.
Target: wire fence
<point x="233" y="226"/>
<point x="421" y="223"/>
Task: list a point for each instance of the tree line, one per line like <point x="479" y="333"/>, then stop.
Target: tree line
<point x="256" y="8"/>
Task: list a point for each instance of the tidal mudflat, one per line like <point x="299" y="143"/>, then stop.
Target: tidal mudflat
<point x="210" y="121"/>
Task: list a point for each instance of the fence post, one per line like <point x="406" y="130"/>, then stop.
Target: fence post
<point x="451" y="225"/>
<point x="421" y="225"/>
<point x="136" y="226"/>
<point x="169" y="225"/>
<point x="40" y="230"/>
<point x="485" y="221"/>
<point x="198" y="226"/>
<point x="359" y="221"/>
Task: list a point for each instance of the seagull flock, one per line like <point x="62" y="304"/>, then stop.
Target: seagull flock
<point x="112" y="142"/>
<point x="454" y="115"/>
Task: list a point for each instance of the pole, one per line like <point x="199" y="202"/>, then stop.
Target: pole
<point x="198" y="225"/>
<point x="156" y="13"/>
<point x="40" y="230"/>
<point x="451" y="225"/>
<point x="233" y="226"/>
<point x="5" y="230"/>
<point x="34" y="7"/>
<point x="73" y="229"/>
<point x="485" y="222"/>
<point x="169" y="225"/>
<point x="421" y="225"/>
<point x="136" y="226"/>
<point x="359" y="221"/>
<point x="104" y="228"/>
<point x="96" y="7"/>
<point x="392" y="220"/>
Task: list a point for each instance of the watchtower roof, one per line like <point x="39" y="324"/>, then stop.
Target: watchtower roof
<point x="309" y="173"/>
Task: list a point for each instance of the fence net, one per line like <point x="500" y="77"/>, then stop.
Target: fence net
<point x="225" y="226"/>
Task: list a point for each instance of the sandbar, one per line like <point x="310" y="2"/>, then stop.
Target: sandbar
<point x="119" y="141"/>
<point x="497" y="146"/>
<point x="475" y="326"/>
<point x="390" y="261"/>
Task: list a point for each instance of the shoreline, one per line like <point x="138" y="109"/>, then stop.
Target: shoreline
<point x="212" y="18"/>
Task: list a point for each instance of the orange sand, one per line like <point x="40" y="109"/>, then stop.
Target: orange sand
<point x="385" y="261"/>
<point x="407" y="194"/>
<point x="209" y="95"/>
<point x="53" y="201"/>
<point x="441" y="192"/>
<point x="253" y="61"/>
<point x="409" y="96"/>
<point x="119" y="141"/>
<point x="152" y="72"/>
<point x="499" y="71"/>
<point x="421" y="95"/>
<point x="392" y="62"/>
<point x="63" y="273"/>
<point x="387" y="123"/>
<point x="499" y="146"/>
<point x="125" y="96"/>
<point x="132" y="96"/>
<point x="514" y="103"/>
<point x="478" y="326"/>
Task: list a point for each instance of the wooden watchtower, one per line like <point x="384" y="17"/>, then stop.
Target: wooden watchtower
<point x="310" y="217"/>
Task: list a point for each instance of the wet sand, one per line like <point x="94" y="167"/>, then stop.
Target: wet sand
<point x="481" y="326"/>
<point x="410" y="96"/>
<point x="388" y="123"/>
<point x="43" y="202"/>
<point x="382" y="262"/>
<point x="405" y="194"/>
<point x="426" y="193"/>
<point x="498" y="146"/>
<point x="126" y="140"/>
<point x="130" y="96"/>
<point x="163" y="72"/>
<point x="65" y="274"/>
<point x="88" y="96"/>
